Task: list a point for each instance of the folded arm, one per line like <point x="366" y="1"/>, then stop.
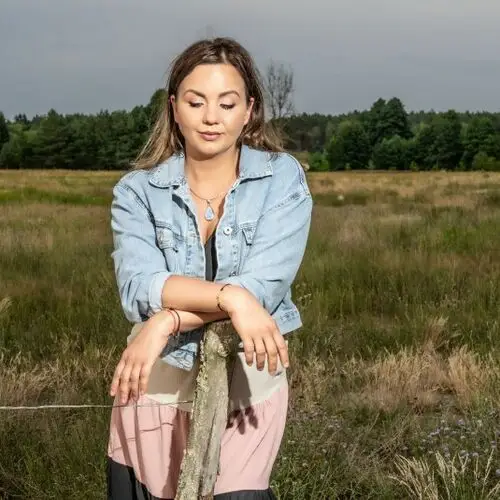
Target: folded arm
<point x="141" y="271"/>
<point x="272" y="263"/>
<point x="273" y="259"/>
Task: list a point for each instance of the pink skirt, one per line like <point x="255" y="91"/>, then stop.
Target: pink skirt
<point x="147" y="439"/>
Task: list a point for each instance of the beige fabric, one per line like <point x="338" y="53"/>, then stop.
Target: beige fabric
<point x="249" y="386"/>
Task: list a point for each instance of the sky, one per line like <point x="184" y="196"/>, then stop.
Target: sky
<point x="87" y="55"/>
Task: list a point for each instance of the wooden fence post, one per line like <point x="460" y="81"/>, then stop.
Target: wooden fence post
<point x="209" y="412"/>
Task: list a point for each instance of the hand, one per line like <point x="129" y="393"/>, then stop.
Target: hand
<point x="133" y="370"/>
<point x="256" y="328"/>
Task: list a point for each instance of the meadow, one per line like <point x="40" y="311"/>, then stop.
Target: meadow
<point x="395" y="376"/>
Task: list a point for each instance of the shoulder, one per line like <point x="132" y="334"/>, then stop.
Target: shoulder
<point x="133" y="186"/>
<point x="284" y="164"/>
<point x="140" y="181"/>
<point x="133" y="179"/>
<point x="288" y="176"/>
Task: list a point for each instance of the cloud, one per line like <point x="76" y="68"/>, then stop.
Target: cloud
<point x="87" y="55"/>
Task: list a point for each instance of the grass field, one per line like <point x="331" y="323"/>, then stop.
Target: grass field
<point x="395" y="377"/>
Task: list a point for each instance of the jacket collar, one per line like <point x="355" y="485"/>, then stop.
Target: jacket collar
<point x="254" y="164"/>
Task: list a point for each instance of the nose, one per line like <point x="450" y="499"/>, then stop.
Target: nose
<point x="211" y="115"/>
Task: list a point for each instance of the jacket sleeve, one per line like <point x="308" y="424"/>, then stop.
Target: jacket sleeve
<point x="279" y="243"/>
<point x="140" y="266"/>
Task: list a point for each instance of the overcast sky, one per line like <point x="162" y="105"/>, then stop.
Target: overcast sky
<point x="87" y="55"/>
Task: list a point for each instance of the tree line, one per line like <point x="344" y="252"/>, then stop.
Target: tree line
<point x="384" y="137"/>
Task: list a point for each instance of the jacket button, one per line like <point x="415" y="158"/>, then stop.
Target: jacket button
<point x="227" y="230"/>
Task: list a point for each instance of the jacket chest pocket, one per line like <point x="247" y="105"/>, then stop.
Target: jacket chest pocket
<point x="246" y="239"/>
<point x="171" y="244"/>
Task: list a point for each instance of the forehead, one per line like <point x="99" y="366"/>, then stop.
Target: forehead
<point x="213" y="78"/>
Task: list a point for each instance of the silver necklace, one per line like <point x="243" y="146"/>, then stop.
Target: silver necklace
<point x="209" y="211"/>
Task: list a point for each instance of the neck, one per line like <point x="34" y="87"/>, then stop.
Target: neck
<point x="214" y="173"/>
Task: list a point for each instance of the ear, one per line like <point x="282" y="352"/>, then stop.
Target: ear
<point x="248" y="113"/>
<point x="174" y="106"/>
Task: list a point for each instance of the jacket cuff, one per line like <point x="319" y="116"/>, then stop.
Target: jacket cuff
<point x="155" y="291"/>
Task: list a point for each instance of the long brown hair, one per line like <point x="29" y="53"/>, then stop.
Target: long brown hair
<point x="166" y="138"/>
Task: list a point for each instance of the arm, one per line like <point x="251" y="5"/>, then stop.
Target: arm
<point x="134" y="368"/>
<point x="193" y="320"/>
<point x="190" y="294"/>
<point x="146" y="286"/>
<point x="141" y="272"/>
<point x="138" y="262"/>
<point x="268" y="271"/>
<point x="275" y="255"/>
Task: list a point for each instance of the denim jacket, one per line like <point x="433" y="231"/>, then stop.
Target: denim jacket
<point x="260" y="239"/>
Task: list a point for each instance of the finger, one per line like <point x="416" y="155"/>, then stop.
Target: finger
<point x="249" y="349"/>
<point x="282" y="349"/>
<point x="134" y="381"/>
<point x="125" y="382"/>
<point x="260" y="351"/>
<point x="116" y="377"/>
<point x="144" y="378"/>
<point x="272" y="353"/>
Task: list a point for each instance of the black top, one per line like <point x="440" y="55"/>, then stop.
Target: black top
<point x="210" y="258"/>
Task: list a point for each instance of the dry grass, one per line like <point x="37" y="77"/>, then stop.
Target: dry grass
<point x="405" y="183"/>
<point x="25" y="381"/>
<point x="58" y="180"/>
<point x="432" y="189"/>
<point x="399" y="298"/>
<point x="423" y="379"/>
<point x="447" y="479"/>
<point x="45" y="213"/>
<point x="47" y="239"/>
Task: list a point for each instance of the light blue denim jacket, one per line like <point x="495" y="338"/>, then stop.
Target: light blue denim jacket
<point x="260" y="239"/>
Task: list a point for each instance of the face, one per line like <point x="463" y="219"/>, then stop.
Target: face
<point x="211" y="109"/>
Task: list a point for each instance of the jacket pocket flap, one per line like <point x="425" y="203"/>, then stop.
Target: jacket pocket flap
<point x="166" y="238"/>
<point x="248" y="231"/>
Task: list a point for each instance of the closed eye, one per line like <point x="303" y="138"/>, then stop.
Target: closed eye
<point x="195" y="104"/>
<point x="227" y="106"/>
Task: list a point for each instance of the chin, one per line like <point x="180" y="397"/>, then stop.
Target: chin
<point x="211" y="149"/>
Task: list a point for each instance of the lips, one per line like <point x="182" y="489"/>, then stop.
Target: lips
<point x="210" y="136"/>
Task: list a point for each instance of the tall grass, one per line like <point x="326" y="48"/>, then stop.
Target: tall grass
<point x="395" y="375"/>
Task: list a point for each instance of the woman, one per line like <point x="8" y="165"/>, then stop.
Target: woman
<point x="211" y="224"/>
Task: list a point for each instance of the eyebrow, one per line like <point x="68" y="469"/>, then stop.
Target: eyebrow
<point x="222" y="94"/>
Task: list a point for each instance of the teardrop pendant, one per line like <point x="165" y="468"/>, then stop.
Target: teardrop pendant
<point x="209" y="213"/>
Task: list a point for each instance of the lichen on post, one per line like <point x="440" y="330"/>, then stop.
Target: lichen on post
<point x="209" y="413"/>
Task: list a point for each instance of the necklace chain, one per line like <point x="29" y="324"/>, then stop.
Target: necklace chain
<point x="209" y="211"/>
<point x="208" y="200"/>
